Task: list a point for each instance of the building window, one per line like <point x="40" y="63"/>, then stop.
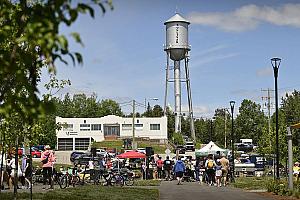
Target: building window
<point x="111" y="130"/>
<point x="85" y="127"/>
<point x="82" y="143"/>
<point x="126" y="126"/>
<point x="67" y="127"/>
<point x="155" y="127"/>
<point x="138" y="127"/>
<point x="65" y="144"/>
<point x="96" y="127"/>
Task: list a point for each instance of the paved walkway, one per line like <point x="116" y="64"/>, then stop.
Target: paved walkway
<point x="169" y="190"/>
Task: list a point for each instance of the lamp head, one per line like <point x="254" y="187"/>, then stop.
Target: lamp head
<point x="275" y="62"/>
<point x="232" y="104"/>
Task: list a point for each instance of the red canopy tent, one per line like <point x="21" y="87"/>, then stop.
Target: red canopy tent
<point x="132" y="154"/>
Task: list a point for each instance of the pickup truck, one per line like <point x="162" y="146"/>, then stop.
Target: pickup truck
<point x="244" y="167"/>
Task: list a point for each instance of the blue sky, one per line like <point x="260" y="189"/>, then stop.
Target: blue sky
<point x="232" y="43"/>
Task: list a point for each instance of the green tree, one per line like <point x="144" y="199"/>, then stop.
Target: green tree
<point x="109" y="107"/>
<point x="202" y="130"/>
<point x="291" y="111"/>
<point x="222" y="130"/>
<point x="250" y="121"/>
<point x="157" y="111"/>
<point x="30" y="40"/>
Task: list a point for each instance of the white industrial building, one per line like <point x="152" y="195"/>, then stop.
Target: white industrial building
<point x="78" y="133"/>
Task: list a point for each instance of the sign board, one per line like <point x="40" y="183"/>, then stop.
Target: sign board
<point x="167" y="151"/>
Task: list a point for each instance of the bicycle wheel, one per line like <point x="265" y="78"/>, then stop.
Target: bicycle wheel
<point x="75" y="180"/>
<point x="117" y="180"/>
<point x="34" y="179"/>
<point x="129" y="181"/>
<point x="63" y="181"/>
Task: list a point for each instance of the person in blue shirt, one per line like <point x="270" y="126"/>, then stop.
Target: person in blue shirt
<point x="179" y="169"/>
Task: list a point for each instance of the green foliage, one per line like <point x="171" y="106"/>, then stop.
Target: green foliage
<point x="109" y="144"/>
<point x="177" y="139"/>
<point x="291" y="115"/>
<point x="30" y="41"/>
<point x="222" y="127"/>
<point x="249" y="122"/>
<point x="280" y="187"/>
<point x="252" y="183"/>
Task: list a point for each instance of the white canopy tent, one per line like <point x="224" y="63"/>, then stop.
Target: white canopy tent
<point x="210" y="148"/>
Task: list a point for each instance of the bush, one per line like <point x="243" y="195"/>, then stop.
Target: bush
<point x="280" y="187"/>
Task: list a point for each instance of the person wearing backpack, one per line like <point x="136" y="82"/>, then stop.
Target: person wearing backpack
<point x="168" y="168"/>
<point x="47" y="159"/>
<point x="210" y="169"/>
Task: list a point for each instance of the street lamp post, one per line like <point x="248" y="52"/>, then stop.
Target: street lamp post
<point x="232" y="138"/>
<point x="154" y="99"/>
<point x="276" y="63"/>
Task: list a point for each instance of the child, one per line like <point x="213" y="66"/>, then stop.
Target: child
<point x="218" y="173"/>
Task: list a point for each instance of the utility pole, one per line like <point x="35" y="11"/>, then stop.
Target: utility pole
<point x="133" y="124"/>
<point x="268" y="104"/>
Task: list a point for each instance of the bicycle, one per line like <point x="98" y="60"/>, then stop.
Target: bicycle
<point x="70" y="177"/>
<point x="128" y="177"/>
<point x="112" y="178"/>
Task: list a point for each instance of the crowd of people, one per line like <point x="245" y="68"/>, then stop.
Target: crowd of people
<point x="209" y="170"/>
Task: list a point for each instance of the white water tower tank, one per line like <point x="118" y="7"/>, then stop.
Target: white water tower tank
<point x="177" y="42"/>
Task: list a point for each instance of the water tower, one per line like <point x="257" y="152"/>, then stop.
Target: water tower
<point x="177" y="48"/>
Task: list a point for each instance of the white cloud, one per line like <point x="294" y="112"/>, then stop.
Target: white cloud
<point x="200" y="111"/>
<point x="268" y="71"/>
<point x="212" y="58"/>
<point x="248" y="17"/>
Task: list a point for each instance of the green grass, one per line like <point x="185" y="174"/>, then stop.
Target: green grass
<point x="156" y="147"/>
<point x="91" y="192"/>
<point x="109" y="144"/>
<point x="252" y="183"/>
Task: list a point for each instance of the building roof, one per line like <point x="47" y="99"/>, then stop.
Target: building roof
<point x="176" y="18"/>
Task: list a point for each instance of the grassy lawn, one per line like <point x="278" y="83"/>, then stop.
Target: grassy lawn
<point x="252" y="183"/>
<point x="91" y="192"/>
<point x="109" y="144"/>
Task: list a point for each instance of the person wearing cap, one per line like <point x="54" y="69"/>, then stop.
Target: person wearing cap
<point x="47" y="159"/>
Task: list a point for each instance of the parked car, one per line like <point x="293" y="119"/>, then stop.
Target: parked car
<point x="244" y="147"/>
<point x="180" y="148"/>
<point x="39" y="147"/>
<point x="189" y="146"/>
<point x="75" y="154"/>
<point x="101" y="152"/>
<point x="141" y="150"/>
<point x="35" y="153"/>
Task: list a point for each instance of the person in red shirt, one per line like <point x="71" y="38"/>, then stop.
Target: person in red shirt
<point x="159" y="165"/>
